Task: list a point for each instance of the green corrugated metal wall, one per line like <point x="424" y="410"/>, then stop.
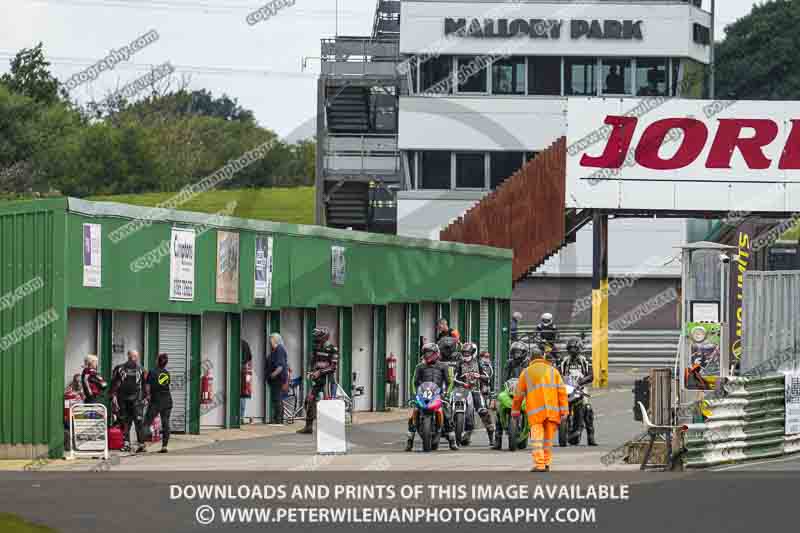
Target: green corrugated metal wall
<point x="376" y="273"/>
<point x="32" y="329"/>
<point x="44" y="238"/>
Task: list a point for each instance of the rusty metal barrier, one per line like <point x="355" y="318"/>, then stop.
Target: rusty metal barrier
<point x="525" y="213"/>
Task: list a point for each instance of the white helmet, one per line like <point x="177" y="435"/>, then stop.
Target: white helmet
<point x="547" y="319"/>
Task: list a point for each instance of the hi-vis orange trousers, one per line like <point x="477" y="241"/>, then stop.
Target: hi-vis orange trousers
<point x="542" y="436"/>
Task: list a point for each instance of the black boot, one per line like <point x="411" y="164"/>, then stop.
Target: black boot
<point x="498" y="439"/>
<point x="490" y="434"/>
<point x="410" y="441"/>
<point x="311" y="412"/>
<point x="590" y="427"/>
<point x="451" y="438"/>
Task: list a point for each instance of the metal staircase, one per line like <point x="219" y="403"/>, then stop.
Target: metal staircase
<point x="387" y="20"/>
<point x="347" y="205"/>
<point x="347" y="109"/>
<point x="358" y="163"/>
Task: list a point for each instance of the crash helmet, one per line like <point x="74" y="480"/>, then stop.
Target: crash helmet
<point x="321" y="335"/>
<point x="430" y="353"/>
<point x="574" y="346"/>
<point x="547" y="319"/>
<point x="468" y="351"/>
<point x="519" y="351"/>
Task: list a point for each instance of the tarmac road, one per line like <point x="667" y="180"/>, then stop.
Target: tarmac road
<point x="380" y="446"/>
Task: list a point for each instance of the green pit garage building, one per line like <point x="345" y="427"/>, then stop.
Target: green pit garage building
<point x="74" y="282"/>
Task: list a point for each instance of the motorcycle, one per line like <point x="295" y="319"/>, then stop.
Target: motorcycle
<point x="429" y="416"/>
<point x="578" y="400"/>
<point x="463" y="414"/>
<point x="518" y="428"/>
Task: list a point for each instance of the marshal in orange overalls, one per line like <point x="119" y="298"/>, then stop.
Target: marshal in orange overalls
<point x="546" y="402"/>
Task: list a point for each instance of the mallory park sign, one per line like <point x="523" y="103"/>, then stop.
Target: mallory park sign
<point x="544" y="28"/>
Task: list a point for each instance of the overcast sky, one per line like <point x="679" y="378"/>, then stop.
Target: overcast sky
<point x="209" y="40"/>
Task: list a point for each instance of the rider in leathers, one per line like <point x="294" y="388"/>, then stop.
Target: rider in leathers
<point x="450" y="355"/>
<point x="487" y="373"/>
<point x="546" y="329"/>
<point x="576" y="366"/>
<point x="518" y="359"/>
<point x="324" y="362"/>
<point x="431" y="370"/>
<point x="468" y="376"/>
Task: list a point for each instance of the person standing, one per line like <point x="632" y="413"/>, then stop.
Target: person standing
<point x="127" y="398"/>
<point x="246" y="390"/>
<point x="545" y="395"/>
<point x="277" y="375"/>
<point x="443" y="329"/>
<point x="324" y="364"/>
<point x="92" y="383"/>
<point x="157" y="388"/>
<point x="516" y="318"/>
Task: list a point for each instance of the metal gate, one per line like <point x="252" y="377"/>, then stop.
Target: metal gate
<point x="173" y="339"/>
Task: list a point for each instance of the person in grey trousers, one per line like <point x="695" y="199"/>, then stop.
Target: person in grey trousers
<point x="277" y="375"/>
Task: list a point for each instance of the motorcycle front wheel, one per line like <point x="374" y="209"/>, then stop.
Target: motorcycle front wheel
<point x="427" y="433"/>
<point x="459" y="427"/>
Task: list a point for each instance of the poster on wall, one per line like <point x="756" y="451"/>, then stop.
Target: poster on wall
<point x="227" y="267"/>
<point x="92" y="256"/>
<point x="793" y="402"/>
<point x="181" y="265"/>
<point x="263" y="271"/>
<point x="338" y="265"/>
<point x="702" y="370"/>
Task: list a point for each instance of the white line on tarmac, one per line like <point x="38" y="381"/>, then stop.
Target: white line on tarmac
<point x="765" y="461"/>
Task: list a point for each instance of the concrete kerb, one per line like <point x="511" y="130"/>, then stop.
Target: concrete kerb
<point x="186" y="442"/>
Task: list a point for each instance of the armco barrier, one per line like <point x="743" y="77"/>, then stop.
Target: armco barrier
<point x="745" y="422"/>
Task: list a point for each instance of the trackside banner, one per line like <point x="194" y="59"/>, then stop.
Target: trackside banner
<point x="689" y="155"/>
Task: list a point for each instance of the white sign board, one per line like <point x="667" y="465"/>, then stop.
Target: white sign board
<point x="263" y="271"/>
<point x="338" y="265"/>
<point x="92" y="256"/>
<point x="688" y="155"/>
<point x="331" y="428"/>
<point x="792" y="402"/>
<point x="552" y="28"/>
<point x="88" y="433"/>
<point x="181" y="267"/>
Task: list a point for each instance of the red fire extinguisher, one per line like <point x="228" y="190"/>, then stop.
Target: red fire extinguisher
<point x="207" y="387"/>
<point x="247" y="379"/>
<point x="391" y="368"/>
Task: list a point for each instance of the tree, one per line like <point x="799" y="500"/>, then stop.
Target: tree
<point x="194" y="103"/>
<point x="758" y="59"/>
<point x="31" y="77"/>
<point x="28" y="129"/>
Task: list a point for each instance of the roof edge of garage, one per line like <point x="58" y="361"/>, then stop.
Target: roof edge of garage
<point x="115" y="209"/>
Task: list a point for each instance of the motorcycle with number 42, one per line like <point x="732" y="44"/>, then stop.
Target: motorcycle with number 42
<point x="429" y="415"/>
